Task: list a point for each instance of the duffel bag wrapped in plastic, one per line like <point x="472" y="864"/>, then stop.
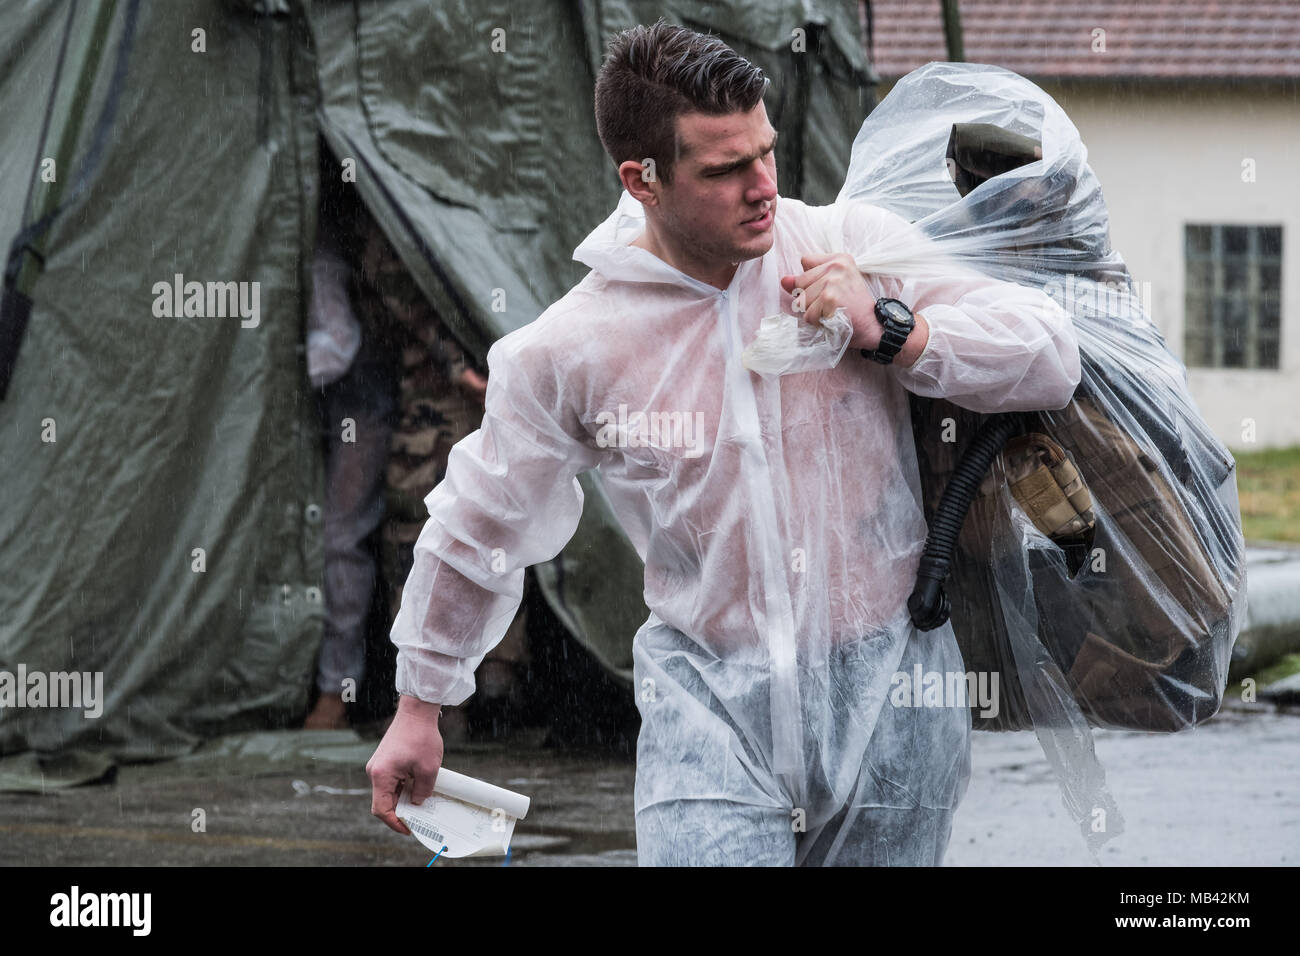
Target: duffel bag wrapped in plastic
<point x="1091" y="555"/>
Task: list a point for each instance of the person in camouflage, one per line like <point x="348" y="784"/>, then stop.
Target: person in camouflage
<point x="411" y="393"/>
<point x="440" y="401"/>
<point x="439" y="393"/>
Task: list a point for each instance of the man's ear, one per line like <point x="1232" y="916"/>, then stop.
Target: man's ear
<point x="641" y="180"/>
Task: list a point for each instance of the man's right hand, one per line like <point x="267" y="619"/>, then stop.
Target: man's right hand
<point x="408" y="756"/>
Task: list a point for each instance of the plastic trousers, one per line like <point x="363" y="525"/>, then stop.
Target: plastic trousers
<point x="715" y="801"/>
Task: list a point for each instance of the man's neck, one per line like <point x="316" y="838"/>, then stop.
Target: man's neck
<point x="718" y="275"/>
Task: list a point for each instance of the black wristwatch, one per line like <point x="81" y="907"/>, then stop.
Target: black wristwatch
<point x="898" y="322"/>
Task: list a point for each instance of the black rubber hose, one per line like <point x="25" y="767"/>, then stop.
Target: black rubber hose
<point x="928" y="605"/>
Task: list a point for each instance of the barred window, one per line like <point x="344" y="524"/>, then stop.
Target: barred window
<point x="1234" y="296"/>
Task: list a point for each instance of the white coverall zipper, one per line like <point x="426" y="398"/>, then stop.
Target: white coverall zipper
<point x="778" y="613"/>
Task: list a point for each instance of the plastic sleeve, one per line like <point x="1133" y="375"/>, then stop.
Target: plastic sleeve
<point x="510" y="499"/>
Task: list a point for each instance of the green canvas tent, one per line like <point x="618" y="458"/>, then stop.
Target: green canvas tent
<point x="161" y="475"/>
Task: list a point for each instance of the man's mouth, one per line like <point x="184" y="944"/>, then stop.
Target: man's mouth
<point x="761" y="221"/>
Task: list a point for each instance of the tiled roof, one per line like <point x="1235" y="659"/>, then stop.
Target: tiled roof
<point x="1193" y="39"/>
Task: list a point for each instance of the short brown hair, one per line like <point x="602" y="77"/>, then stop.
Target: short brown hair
<point x="652" y="75"/>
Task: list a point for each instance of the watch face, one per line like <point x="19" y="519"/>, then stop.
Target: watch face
<point x="896" y="311"/>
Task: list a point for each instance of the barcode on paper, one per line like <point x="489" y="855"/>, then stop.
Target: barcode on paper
<point x="424" y="830"/>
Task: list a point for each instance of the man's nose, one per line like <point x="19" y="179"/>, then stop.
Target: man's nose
<point x="762" y="187"/>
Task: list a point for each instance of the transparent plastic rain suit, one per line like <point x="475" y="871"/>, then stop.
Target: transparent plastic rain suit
<point x="779" y="519"/>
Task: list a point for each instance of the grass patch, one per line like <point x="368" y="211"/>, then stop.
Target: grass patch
<point x="1288" y="665"/>
<point x="1268" y="486"/>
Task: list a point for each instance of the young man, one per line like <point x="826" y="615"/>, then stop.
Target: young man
<point x="779" y="519"/>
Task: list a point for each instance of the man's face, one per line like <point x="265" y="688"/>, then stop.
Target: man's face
<point x="724" y="179"/>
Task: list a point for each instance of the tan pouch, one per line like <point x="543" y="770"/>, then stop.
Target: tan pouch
<point x="1048" y="487"/>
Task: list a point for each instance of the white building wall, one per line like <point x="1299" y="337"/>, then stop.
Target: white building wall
<point x="1169" y="156"/>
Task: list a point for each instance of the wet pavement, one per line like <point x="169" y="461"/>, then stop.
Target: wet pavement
<point x="1225" y="793"/>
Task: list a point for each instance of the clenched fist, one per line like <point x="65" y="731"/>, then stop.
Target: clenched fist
<point x="829" y="282"/>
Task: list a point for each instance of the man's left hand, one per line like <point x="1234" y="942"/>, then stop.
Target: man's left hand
<point x="829" y="282"/>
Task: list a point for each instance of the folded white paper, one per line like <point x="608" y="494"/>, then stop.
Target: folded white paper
<point x="464" y="817"/>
